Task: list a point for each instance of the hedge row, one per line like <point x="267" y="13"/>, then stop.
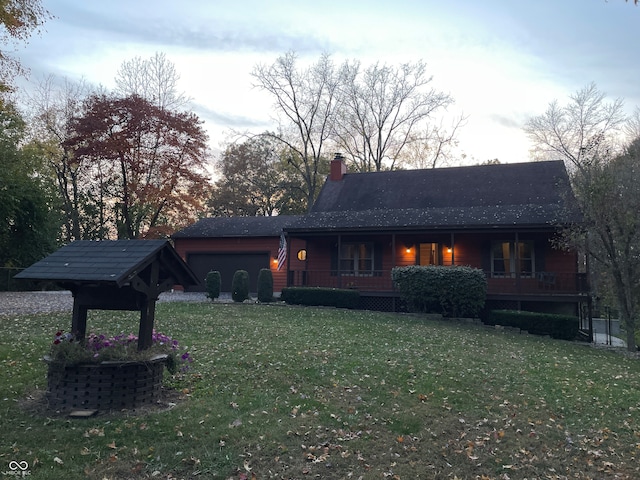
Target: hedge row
<point x="564" y="327"/>
<point x="453" y="291"/>
<point x="331" y="297"/>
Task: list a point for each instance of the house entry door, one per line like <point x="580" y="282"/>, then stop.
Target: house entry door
<point x="428" y="254"/>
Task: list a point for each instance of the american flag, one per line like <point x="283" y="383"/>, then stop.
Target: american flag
<point x="282" y="251"/>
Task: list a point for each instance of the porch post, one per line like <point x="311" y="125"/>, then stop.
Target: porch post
<point x="338" y="256"/>
<point x="516" y="257"/>
<point x="393" y="249"/>
<point x="287" y="237"/>
<point x="453" y="250"/>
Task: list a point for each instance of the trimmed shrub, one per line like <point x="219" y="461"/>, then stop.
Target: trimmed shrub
<point x="240" y="286"/>
<point x="563" y="327"/>
<point x="453" y="291"/>
<point x="265" y="285"/>
<point x="330" y="297"/>
<point x="212" y="284"/>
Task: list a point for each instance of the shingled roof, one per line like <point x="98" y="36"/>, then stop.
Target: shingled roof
<point x="238" y="227"/>
<point x="523" y="194"/>
<point x="109" y="262"/>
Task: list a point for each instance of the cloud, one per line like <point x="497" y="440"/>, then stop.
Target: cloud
<point x="508" y="121"/>
<point x="156" y="27"/>
<point x="227" y="119"/>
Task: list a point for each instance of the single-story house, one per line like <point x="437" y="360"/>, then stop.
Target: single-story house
<point x="500" y="218"/>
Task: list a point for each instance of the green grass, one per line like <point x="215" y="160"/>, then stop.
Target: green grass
<point x="289" y="392"/>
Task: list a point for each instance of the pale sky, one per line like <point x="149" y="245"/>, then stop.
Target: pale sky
<point x="501" y="60"/>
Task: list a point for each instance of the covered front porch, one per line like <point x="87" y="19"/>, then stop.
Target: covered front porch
<point x="519" y="265"/>
<point x="542" y="283"/>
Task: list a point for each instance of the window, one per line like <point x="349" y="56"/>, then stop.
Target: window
<point x="509" y="258"/>
<point x="356" y="258"/>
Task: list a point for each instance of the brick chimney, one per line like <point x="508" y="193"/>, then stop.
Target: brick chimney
<point x="338" y="168"/>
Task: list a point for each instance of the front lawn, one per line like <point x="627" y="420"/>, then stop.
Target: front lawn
<point x="292" y="392"/>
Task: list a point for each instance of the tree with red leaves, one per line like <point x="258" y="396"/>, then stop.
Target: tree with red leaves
<point x="149" y="163"/>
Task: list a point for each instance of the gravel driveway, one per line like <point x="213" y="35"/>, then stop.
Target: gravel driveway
<point x="17" y="303"/>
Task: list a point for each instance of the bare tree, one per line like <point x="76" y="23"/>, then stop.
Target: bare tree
<point x="306" y="101"/>
<point x="608" y="192"/>
<point x="632" y="127"/>
<point x="586" y="134"/>
<point x="52" y="107"/>
<point x="432" y="146"/>
<point x="578" y="130"/>
<point x="155" y="79"/>
<point x="382" y="109"/>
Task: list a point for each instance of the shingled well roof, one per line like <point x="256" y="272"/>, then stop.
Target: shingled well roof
<point x="108" y="261"/>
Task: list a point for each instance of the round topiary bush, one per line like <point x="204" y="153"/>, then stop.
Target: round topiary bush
<point x="240" y="286"/>
<point x="265" y="285"/>
<point x="212" y="284"/>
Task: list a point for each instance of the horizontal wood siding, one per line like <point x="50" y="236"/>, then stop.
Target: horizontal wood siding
<point x="321" y="265"/>
<point x="186" y="246"/>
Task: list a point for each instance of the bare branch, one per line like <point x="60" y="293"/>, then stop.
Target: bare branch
<point x="155" y="79"/>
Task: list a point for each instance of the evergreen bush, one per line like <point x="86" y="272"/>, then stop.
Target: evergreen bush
<point x="331" y="297"/>
<point x="240" y="286"/>
<point x="564" y="327"/>
<point x="212" y="284"/>
<point x="265" y="285"/>
<point x="453" y="291"/>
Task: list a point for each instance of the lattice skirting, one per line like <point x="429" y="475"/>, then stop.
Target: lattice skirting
<point x="106" y="385"/>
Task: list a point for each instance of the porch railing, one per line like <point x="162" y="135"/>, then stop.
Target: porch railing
<point x="539" y="283"/>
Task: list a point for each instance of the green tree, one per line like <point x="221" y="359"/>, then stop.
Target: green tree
<point x="250" y="181"/>
<point x="259" y="177"/>
<point x="27" y="201"/>
<point x="19" y="19"/>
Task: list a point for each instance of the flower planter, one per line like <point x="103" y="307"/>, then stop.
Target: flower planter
<point x="105" y="385"/>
